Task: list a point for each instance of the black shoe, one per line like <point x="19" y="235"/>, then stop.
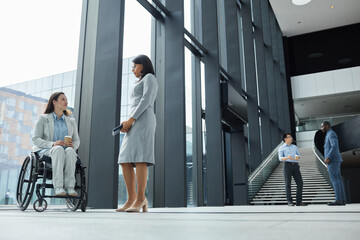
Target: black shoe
<point x="301" y="204"/>
<point x="291" y="204"/>
<point x="336" y="203"/>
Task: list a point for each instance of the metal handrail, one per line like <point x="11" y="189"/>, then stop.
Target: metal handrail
<point x="320" y="163"/>
<point x="318" y="155"/>
<point x="260" y="175"/>
<point x="256" y="172"/>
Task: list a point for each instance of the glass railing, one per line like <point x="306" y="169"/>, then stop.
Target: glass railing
<point x="258" y="177"/>
<point x="320" y="164"/>
<point x="311" y="124"/>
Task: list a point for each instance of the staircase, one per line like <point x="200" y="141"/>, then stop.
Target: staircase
<point x="316" y="190"/>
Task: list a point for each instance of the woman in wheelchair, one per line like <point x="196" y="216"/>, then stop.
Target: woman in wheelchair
<point x="50" y="131"/>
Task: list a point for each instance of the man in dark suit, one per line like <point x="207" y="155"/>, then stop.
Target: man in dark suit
<point x="333" y="160"/>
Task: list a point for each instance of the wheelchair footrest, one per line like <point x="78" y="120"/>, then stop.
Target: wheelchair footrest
<point x="40" y="185"/>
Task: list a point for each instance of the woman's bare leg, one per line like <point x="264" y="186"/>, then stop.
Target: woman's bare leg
<point x="129" y="177"/>
<point x="141" y="177"/>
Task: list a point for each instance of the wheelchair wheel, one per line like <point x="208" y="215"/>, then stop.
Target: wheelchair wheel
<point x="26" y="183"/>
<point x="40" y="207"/>
<point x="84" y="203"/>
<point x="74" y="203"/>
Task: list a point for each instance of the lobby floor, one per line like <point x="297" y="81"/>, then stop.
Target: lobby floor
<point x="231" y="222"/>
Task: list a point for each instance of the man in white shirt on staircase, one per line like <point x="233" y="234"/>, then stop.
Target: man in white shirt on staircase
<point x="289" y="154"/>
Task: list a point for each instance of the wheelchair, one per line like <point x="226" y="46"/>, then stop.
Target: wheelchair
<point x="34" y="172"/>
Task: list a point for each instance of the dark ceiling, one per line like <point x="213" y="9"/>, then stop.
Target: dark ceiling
<point x="326" y="50"/>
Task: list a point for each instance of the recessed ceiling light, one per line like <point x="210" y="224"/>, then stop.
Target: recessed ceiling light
<point x="315" y="55"/>
<point x="344" y="60"/>
<point x="300" y="2"/>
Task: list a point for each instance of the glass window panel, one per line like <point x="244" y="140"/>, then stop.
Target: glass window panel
<point x="21" y="105"/>
<point x="46" y="95"/>
<point x="30" y="87"/>
<point x="133" y="46"/>
<point x="15" y="87"/>
<point x="38" y="85"/>
<point x="132" y="79"/>
<point x="222" y="34"/>
<point x="6" y="137"/>
<point x="202" y="74"/>
<point x="46" y="83"/>
<point x="73" y="97"/>
<point x="69" y="94"/>
<point x="74" y="77"/>
<point x="242" y="53"/>
<point x="21" y="116"/>
<point x="10" y="114"/>
<point x="126" y="66"/>
<point x="204" y="161"/>
<point x="124" y="95"/>
<point x="11" y="102"/>
<point x="68" y="79"/>
<point x="189" y="127"/>
<point x="22" y="87"/>
<point x="187" y="15"/>
<point x="28" y="106"/>
<point x="17" y="128"/>
<point x="37" y="94"/>
<point x="256" y="73"/>
<point x="57" y="80"/>
<point x="55" y="90"/>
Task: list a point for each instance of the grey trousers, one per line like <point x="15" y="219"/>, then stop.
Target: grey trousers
<point x="63" y="163"/>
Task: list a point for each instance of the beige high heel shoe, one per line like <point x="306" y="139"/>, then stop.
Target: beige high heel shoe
<point x="123" y="208"/>
<point x="144" y="206"/>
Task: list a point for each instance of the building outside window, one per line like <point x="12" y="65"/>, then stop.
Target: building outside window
<point x="20" y="105"/>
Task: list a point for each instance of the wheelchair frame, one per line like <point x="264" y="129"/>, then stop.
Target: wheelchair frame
<point x="35" y="167"/>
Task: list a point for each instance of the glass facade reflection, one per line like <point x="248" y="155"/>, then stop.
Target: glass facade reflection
<point x="189" y="127"/>
<point x="200" y="172"/>
<point x="20" y="105"/>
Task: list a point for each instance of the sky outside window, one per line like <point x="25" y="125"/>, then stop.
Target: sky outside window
<point x="40" y="38"/>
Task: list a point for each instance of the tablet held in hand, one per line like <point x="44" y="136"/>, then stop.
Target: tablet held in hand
<point x="117" y="130"/>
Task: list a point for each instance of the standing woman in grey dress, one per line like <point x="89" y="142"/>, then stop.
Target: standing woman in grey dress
<point x="137" y="149"/>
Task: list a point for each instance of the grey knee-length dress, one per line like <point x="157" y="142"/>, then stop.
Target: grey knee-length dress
<point x="138" y="144"/>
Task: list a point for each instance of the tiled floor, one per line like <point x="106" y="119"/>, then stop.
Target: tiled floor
<point x="235" y="222"/>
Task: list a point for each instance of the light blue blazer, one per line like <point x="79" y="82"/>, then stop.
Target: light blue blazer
<point x="44" y="132"/>
<point x="331" y="147"/>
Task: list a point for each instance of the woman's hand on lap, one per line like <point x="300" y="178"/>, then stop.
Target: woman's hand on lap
<point x="59" y="143"/>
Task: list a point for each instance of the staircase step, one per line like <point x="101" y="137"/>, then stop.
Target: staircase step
<point x="280" y="186"/>
<point x="315" y="190"/>
<point x="325" y="199"/>
<point x="304" y="193"/>
<point x="284" y="202"/>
